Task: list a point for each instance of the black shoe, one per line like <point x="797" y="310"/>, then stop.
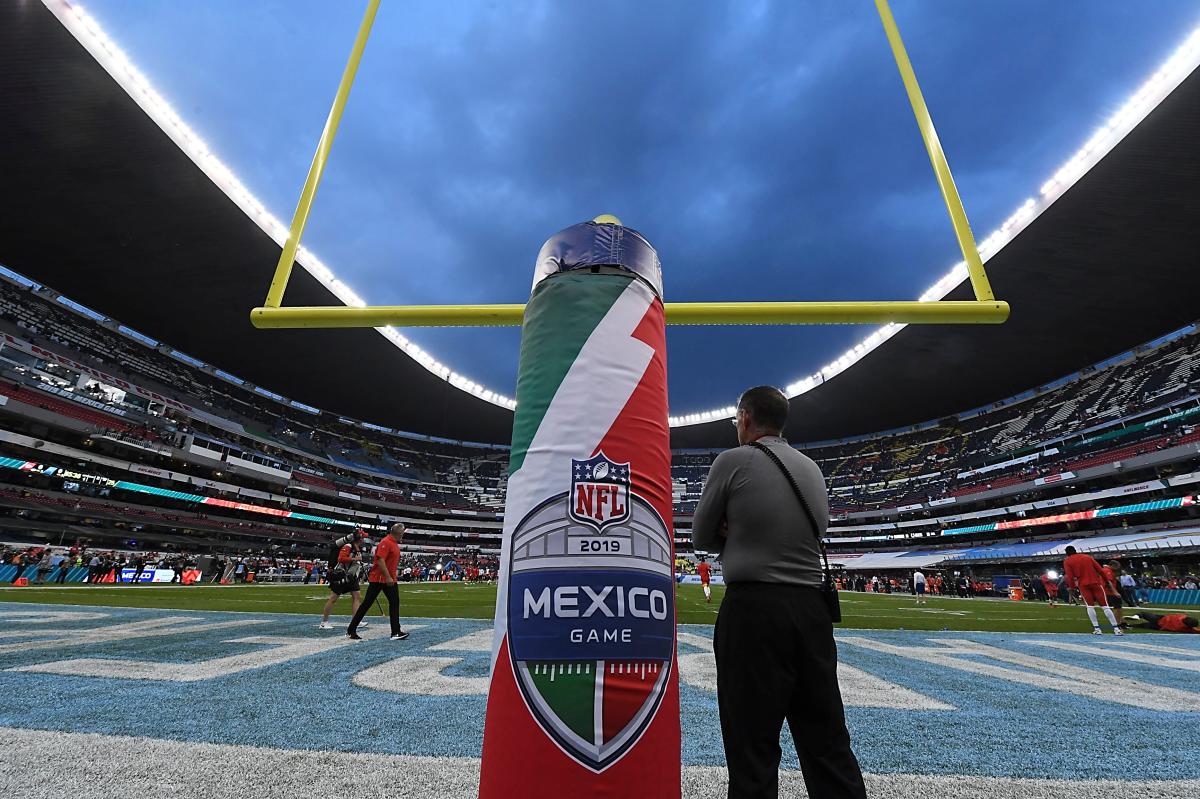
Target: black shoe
<point x="353" y="636"/>
<point x="400" y="636"/>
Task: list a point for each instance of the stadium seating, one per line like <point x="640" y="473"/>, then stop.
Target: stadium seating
<point x="1086" y="421"/>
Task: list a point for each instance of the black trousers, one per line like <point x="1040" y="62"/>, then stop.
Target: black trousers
<point x="393" y="598"/>
<point x="776" y="660"/>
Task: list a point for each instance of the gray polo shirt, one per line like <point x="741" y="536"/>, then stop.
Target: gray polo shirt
<point x="769" y="539"/>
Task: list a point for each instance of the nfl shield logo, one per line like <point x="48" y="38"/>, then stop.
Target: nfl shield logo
<point x="591" y="616"/>
<point x="599" y="496"/>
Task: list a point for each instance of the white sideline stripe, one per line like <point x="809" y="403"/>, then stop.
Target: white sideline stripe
<point x="280" y="650"/>
<point x="421" y="676"/>
<point x="167" y="625"/>
<point x="125" y="765"/>
<point x="859" y="688"/>
<point x="1166" y="650"/>
<point x="961" y="653"/>
<point x="48" y="616"/>
<point x="1117" y="654"/>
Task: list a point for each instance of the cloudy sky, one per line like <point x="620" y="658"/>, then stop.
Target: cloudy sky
<point x="766" y="149"/>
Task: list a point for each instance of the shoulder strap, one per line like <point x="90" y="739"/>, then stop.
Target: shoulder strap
<point x="812" y="519"/>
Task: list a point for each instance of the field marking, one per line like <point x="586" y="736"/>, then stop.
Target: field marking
<point x="167" y="625"/>
<point x="1166" y="650"/>
<point x="859" y="688"/>
<point x="421" y="676"/>
<point x="279" y="650"/>
<point x="478" y="641"/>
<point x="960" y="654"/>
<point x="1117" y="654"/>
<point x="49" y="616"/>
<point x="221" y="769"/>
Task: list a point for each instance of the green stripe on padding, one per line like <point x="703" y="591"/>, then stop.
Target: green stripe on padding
<point x="562" y="313"/>
<point x="570" y="690"/>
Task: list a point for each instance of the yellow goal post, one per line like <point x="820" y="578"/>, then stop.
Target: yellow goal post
<point x="984" y="309"/>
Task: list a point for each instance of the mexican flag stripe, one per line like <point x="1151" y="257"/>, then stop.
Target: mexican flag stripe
<point x="561" y="316"/>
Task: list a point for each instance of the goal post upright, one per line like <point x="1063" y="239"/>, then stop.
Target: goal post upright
<point x="984" y="309"/>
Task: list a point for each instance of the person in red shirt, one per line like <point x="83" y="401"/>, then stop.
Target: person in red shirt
<point x="1084" y="573"/>
<point x="1171" y="623"/>
<point x="705" y="571"/>
<point x="1112" y="590"/>
<point x="382" y="579"/>
<point x="1051" y="586"/>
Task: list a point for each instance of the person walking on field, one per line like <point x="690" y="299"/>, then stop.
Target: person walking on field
<point x="704" y="569"/>
<point x="1112" y="590"/>
<point x="764" y="509"/>
<point x="1050" y="583"/>
<point x="344" y="571"/>
<point x="382" y="579"/>
<point x="1084" y="573"/>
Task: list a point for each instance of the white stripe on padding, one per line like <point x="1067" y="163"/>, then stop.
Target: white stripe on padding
<point x="123" y="765"/>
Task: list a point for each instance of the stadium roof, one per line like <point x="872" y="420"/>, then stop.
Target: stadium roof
<point x="99" y="203"/>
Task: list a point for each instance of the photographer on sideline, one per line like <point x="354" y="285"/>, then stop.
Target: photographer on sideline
<point x="776" y="656"/>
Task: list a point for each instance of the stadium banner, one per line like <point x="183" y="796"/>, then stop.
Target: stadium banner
<point x="584" y="696"/>
<point x="103" y="377"/>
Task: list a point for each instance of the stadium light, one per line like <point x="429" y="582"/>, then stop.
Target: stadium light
<point x="112" y="59"/>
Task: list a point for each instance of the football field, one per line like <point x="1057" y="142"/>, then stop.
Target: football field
<point x="478" y="601"/>
<point x="216" y="691"/>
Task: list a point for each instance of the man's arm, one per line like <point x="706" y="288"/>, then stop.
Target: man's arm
<point x="1069" y="572"/>
<point x="709" y="520"/>
<point x="381" y="564"/>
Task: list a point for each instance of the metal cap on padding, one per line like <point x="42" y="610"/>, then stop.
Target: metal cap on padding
<point x="603" y="243"/>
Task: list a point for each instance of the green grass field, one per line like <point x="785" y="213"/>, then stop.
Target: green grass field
<point x="457" y="600"/>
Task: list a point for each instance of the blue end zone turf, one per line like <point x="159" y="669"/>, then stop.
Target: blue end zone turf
<point x="985" y="704"/>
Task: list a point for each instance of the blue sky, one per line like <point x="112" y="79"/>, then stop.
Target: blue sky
<point x="766" y="149"/>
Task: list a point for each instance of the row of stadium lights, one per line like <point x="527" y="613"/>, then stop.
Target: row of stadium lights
<point x="85" y="28"/>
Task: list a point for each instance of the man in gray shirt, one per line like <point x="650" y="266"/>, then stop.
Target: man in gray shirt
<point x="776" y="656"/>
